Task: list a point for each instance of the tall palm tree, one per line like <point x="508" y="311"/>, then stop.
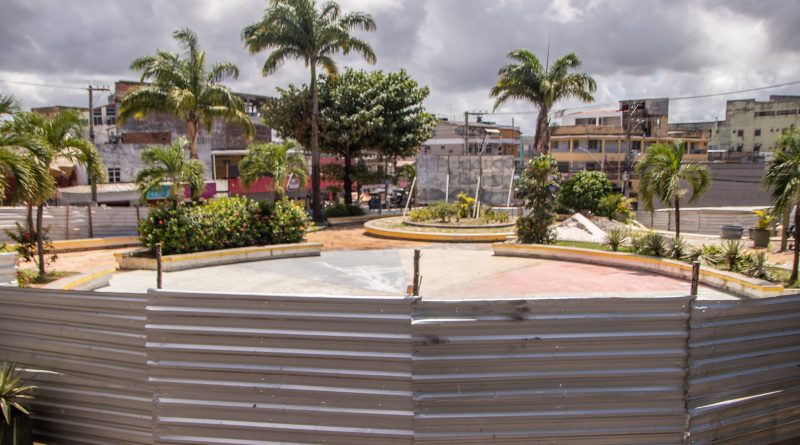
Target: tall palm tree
<point x="8" y="104"/>
<point x="186" y="89"/>
<point x="663" y="174"/>
<point x="44" y="140"/>
<point x="304" y="30"/>
<point x="281" y="161"/>
<point x="782" y="177"/>
<point x="528" y="80"/>
<point x="168" y="164"/>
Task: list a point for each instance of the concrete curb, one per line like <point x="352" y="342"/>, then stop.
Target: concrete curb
<point x="171" y="263"/>
<point x="347" y="220"/>
<point x="436" y="236"/>
<point x="91" y="280"/>
<point x="734" y="283"/>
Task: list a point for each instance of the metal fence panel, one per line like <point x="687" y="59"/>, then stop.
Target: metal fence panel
<point x="248" y="368"/>
<point x="86" y="355"/>
<point x="72" y="222"/>
<point x="567" y="371"/>
<point x="744" y="383"/>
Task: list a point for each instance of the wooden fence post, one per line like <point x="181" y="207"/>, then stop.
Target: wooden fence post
<point x="416" y="272"/>
<point x="159" y="281"/>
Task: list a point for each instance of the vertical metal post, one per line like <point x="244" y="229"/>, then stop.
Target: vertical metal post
<point x="688" y="347"/>
<point x="91" y="223"/>
<point x="466" y="132"/>
<point x="695" y="278"/>
<point x="66" y="222"/>
<point x="416" y="272"/>
<point x="159" y="279"/>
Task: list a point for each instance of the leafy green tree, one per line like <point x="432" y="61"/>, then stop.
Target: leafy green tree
<point x="538" y="189"/>
<point x="664" y="175"/>
<point x="584" y="190"/>
<point x="314" y="33"/>
<point x="782" y="177"/>
<point x="281" y="161"/>
<point x="168" y="164"/>
<point x="185" y="88"/>
<point x="43" y="140"/>
<point x="527" y="79"/>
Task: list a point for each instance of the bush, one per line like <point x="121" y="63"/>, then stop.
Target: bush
<point x="26" y="246"/>
<point x="538" y="189"/>
<point x="489" y="216"/>
<point x="756" y="266"/>
<point x="679" y="248"/>
<point x="615" y="206"/>
<point x="420" y="214"/>
<point x="443" y="211"/>
<point x="340" y="209"/>
<point x="222" y="224"/>
<point x="732" y="252"/>
<point x="651" y="243"/>
<point x="584" y="190"/>
<point x="465" y="206"/>
<point x="615" y="238"/>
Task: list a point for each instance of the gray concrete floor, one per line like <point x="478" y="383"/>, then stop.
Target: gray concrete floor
<point x="449" y="272"/>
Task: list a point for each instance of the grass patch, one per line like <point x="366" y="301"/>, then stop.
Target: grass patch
<point x="31" y="278"/>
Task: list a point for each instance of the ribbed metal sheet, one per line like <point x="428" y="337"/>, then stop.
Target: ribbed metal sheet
<point x="72" y="222"/>
<point x="744" y="385"/>
<point x="566" y="371"/>
<point x="86" y="353"/>
<point x="257" y="369"/>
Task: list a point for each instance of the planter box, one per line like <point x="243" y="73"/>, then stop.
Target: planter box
<point x="8" y="268"/>
<point x="170" y="263"/>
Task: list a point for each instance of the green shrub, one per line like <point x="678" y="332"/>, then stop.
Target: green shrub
<point x="732" y="251"/>
<point x="340" y="209"/>
<point x="651" y="243"/>
<point x="222" y="224"/>
<point x="538" y="189"/>
<point x="615" y="238"/>
<point x="420" y="214"/>
<point x="443" y="211"/>
<point x="584" y="190"/>
<point x="465" y="206"/>
<point x="756" y="266"/>
<point x="26" y="245"/>
<point x="679" y="248"/>
<point x="490" y="216"/>
<point x="712" y="255"/>
<point x="615" y="206"/>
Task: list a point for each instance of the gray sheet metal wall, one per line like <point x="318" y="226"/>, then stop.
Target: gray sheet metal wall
<point x="566" y="371"/>
<point x="744" y="385"/>
<point x="87" y="353"/>
<point x="271" y="369"/>
<point x="72" y="222"/>
<point x="704" y="221"/>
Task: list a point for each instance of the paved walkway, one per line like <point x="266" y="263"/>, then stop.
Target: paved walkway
<point x="453" y="272"/>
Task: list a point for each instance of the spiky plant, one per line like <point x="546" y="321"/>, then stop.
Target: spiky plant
<point x="782" y="177"/>
<point x="277" y="160"/>
<point x="168" y="164"/>
<point x="615" y="238"/>
<point x="14" y="393"/>
<point x="732" y="251"/>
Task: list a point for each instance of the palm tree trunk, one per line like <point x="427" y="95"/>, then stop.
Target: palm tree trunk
<point x="316" y="198"/>
<point x="541" y="139"/>
<point x="30" y="218"/>
<point x="347" y="181"/>
<point x="40" y="239"/>
<point x="793" y="278"/>
<point x="192" y="130"/>
<point x="677" y="217"/>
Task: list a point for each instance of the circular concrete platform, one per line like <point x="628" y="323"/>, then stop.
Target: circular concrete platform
<point x="395" y="229"/>
<point x="452" y="273"/>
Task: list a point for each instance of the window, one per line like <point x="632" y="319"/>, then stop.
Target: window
<point x="113" y="175"/>
<point x="586" y="121"/>
<point x="111" y="115"/>
<point x="594" y="144"/>
<point x="553" y="145"/>
<point x="563" y="167"/>
<point x="757" y="132"/>
<point x="97" y="116"/>
<point x="740" y="133"/>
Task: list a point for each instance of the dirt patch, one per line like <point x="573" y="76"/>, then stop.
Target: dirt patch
<point x="355" y="238"/>
<point x="81" y="261"/>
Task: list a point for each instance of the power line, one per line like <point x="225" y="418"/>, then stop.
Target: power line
<point x="47" y="85"/>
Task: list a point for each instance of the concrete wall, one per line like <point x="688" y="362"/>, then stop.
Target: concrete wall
<point x="495" y="171"/>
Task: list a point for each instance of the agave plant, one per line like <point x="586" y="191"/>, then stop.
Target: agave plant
<point x="757" y="266"/>
<point x="679" y="248"/>
<point x="732" y="252"/>
<point x="14" y="393"/>
<point x="615" y="238"/>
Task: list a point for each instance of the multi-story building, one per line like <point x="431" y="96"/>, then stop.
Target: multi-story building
<point x="610" y="140"/>
<point x="488" y="137"/>
<point x="752" y="126"/>
<point x="121" y="145"/>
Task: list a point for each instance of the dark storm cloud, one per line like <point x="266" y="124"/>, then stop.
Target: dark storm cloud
<point x="634" y="48"/>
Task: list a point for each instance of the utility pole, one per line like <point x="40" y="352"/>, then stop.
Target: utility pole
<point x="92" y="182"/>
<point x="629" y="155"/>
<point x="466" y="132"/>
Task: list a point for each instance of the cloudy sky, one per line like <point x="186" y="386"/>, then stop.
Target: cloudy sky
<point x="633" y="48"/>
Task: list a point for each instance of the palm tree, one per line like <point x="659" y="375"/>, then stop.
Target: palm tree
<point x="168" y="164"/>
<point x="278" y="160"/>
<point x="663" y="174"/>
<point x="528" y="80"/>
<point x="8" y="104"/>
<point x="186" y="89"/>
<point x="782" y="176"/>
<point x="44" y="140"/>
<point x="299" y="29"/>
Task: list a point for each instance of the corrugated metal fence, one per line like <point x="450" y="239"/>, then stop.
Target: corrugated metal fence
<point x="744" y="385"/>
<point x="203" y="368"/>
<point x="703" y="221"/>
<point x="87" y="351"/>
<point x="72" y="222"/>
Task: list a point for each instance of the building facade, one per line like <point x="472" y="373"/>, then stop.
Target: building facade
<point x="752" y="126"/>
<point x="486" y="137"/>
